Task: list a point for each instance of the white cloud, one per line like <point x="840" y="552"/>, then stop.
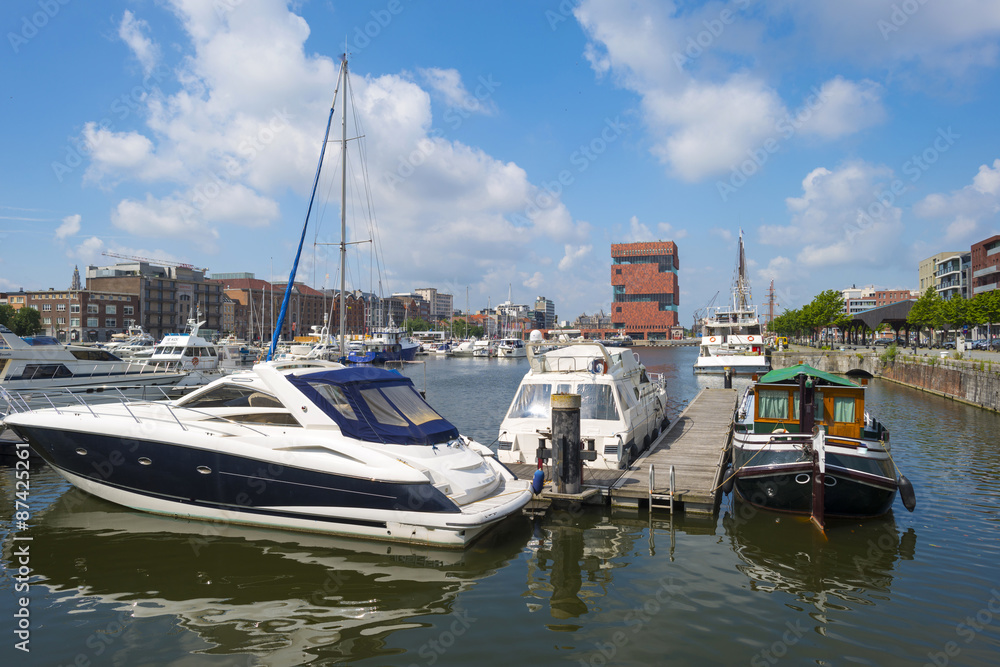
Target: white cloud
<point x="967" y="208"/>
<point x="844" y="107"/>
<point x="448" y="83"/>
<point x="838" y="221"/>
<point x="574" y="255"/>
<point x="131" y="30"/>
<point x="69" y="227"/>
<point x="89" y="252"/>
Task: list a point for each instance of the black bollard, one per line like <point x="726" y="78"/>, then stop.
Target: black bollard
<point x="728" y="379"/>
<point x="566" y="442"/>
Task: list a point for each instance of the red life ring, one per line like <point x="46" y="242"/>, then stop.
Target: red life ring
<point x="194" y="361"/>
<point x="712" y="339"/>
<point x="750" y="338"/>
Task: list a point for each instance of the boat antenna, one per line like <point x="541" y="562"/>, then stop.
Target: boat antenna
<point x="302" y="238"/>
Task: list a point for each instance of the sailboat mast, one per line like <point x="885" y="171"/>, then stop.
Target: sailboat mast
<point x="343" y="211"/>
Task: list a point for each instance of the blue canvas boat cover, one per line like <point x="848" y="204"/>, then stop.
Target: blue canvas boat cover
<point x="375" y="405"/>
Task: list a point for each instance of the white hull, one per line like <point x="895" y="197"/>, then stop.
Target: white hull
<point x="740" y="363"/>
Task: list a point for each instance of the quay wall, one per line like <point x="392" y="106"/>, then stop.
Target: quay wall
<point x="976" y="382"/>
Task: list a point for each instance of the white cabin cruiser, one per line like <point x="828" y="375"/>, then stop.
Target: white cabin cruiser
<point x="43" y="364"/>
<point x="731" y="336"/>
<point x="188" y="352"/>
<point x="511" y="348"/>
<point x="623" y="408"/>
<point x="313" y="446"/>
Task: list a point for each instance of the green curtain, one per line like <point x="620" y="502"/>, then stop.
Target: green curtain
<point x="843" y="409"/>
<point x="773" y="404"/>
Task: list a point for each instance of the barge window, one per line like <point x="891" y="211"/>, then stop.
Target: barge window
<point x="408" y="401"/>
<point x="532" y="402"/>
<point x="817" y="406"/>
<point x="773" y="404"/>
<point x="843" y="409"/>
<point x="597" y="402"/>
<point x="382" y="408"/>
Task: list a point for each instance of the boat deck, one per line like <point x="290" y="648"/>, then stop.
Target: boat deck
<point x="696" y="444"/>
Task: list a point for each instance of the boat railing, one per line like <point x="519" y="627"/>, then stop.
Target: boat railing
<point x="18" y="402"/>
<point x="544" y="363"/>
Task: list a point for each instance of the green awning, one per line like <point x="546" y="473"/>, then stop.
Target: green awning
<point x="792" y="372"/>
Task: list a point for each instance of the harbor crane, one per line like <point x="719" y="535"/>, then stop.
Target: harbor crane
<point x="158" y="262"/>
<point x="707" y="309"/>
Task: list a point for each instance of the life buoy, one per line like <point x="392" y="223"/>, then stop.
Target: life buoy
<point x="712" y="339"/>
<point x="194" y="361"/>
<point x="750" y="339"/>
<point x="599" y="367"/>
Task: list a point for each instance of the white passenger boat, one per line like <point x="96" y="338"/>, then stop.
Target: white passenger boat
<point x="731" y="336"/>
<point x="511" y="348"/>
<point x="623" y="407"/>
<point x="200" y="360"/>
<point x="312" y="446"/>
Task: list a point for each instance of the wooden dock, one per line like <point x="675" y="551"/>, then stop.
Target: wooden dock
<point x="696" y="444"/>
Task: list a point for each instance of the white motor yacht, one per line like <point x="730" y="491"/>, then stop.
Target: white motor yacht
<point x="622" y="407"/>
<point x="312" y="446"/>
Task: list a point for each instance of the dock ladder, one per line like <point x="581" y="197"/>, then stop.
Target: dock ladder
<point x="658" y="499"/>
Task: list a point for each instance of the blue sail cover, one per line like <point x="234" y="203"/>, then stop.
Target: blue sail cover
<point x="383" y="406"/>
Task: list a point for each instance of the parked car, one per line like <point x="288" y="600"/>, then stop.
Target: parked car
<point x="948" y="345"/>
<point x="995" y="345"/>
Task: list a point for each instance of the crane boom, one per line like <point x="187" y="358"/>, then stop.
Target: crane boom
<point x="161" y="262"/>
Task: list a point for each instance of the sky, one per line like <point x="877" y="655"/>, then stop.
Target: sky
<point x="506" y="145"/>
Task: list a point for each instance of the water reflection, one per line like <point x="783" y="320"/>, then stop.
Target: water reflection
<point x="853" y="562"/>
<point x="288" y="596"/>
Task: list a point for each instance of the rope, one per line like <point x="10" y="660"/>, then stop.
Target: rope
<point x="766" y="445"/>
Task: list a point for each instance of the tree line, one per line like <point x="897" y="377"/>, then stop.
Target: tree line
<point x="930" y="311"/>
<point x="23" y="321"/>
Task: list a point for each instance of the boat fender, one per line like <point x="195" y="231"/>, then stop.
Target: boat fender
<point x="729" y="477"/>
<point x="537" y="482"/>
<point x="599" y="367"/>
<point x="906" y="493"/>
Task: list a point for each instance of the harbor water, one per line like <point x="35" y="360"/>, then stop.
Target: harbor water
<point x="598" y="586"/>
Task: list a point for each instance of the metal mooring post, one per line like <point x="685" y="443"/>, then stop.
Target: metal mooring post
<point x="566" y="442"/>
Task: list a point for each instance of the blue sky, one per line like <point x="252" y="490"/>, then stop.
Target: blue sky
<point x="508" y="143"/>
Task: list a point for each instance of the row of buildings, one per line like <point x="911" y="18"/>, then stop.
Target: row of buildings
<point x="963" y="273"/>
<point x="161" y="297"/>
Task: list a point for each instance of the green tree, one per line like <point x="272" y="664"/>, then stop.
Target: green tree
<point x="926" y="312"/>
<point x="6" y="315"/>
<point x="987" y="305"/>
<point x="26" y="322"/>
<point x="417" y="324"/>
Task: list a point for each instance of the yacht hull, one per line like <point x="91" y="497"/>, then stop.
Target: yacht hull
<point x="210" y="485"/>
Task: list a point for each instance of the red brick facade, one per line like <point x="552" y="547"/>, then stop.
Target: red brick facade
<point x="646" y="293"/>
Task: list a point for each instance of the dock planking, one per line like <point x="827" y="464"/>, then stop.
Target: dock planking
<point x="695" y="444"/>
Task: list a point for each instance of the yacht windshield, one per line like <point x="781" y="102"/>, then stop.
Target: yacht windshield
<point x="534" y="401"/>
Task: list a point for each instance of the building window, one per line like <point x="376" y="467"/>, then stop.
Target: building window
<point x="46" y="320"/>
<point x="47" y="306"/>
<point x="60" y="306"/>
<point x="60" y="320"/>
<point x="74" y="321"/>
<point x="110" y="310"/>
<point x="91" y="321"/>
<point x="74" y="308"/>
<point x="110" y="322"/>
<point x="92" y="309"/>
<point x="128" y="310"/>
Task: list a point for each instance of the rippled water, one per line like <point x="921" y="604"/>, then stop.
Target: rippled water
<point x="593" y="587"/>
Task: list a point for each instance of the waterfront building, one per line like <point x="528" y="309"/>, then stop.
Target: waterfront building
<point x="952" y="273"/>
<point x="645" y="289"/>
<point x="168" y="294"/>
<point x="441" y="305"/>
<point x="927" y="271"/>
<point x="545" y="313"/>
<point x="82" y="315"/>
<point x="985" y="265"/>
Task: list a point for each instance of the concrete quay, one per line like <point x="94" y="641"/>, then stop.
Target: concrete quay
<point x="973" y="379"/>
